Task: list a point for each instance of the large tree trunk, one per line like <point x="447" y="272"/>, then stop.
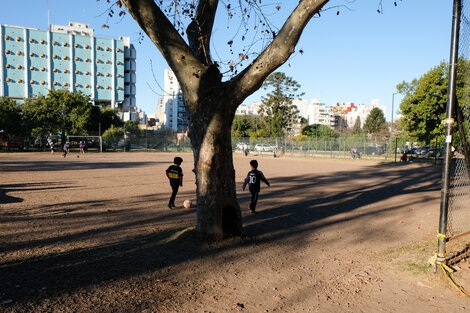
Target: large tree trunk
<point x="218" y="212"/>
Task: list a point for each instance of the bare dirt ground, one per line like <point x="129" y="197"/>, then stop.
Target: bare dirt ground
<point x="94" y="234"/>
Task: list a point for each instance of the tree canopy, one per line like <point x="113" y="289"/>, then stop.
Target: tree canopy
<point x="11" y="118"/>
<point x="319" y="130"/>
<point x="277" y="109"/>
<point x="424" y="104"/>
<point x="375" y="121"/>
<point x="59" y="112"/>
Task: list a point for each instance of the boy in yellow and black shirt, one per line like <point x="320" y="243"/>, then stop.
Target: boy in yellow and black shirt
<point x="175" y="175"/>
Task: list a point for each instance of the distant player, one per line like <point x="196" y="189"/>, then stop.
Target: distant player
<point x="175" y="175"/>
<point x="253" y="179"/>
<point x="82" y="147"/>
<point x="66" y="149"/>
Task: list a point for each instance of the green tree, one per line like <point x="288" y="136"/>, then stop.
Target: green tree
<point x="318" y="130"/>
<point x="60" y="111"/>
<point x="11" y="118"/>
<point x="112" y="136"/>
<point x="277" y="109"/>
<point x="357" y="126"/>
<point x="375" y="121"/>
<point x="243" y="125"/>
<point x="103" y="118"/>
<point x="424" y="104"/>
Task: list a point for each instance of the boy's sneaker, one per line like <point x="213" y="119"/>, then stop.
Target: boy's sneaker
<point x="252" y="212"/>
<point x="169" y="205"/>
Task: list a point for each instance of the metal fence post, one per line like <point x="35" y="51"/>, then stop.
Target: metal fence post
<point x="449" y="123"/>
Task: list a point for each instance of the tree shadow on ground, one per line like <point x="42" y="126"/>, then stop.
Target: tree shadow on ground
<point x="42" y="186"/>
<point x="67" y="165"/>
<point x="57" y="273"/>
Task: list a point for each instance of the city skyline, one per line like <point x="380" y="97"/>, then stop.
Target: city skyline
<point x="354" y="56"/>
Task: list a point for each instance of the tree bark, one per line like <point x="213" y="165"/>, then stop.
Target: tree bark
<point x="218" y="212"/>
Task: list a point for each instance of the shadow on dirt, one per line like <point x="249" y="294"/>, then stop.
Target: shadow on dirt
<point x="67" y="164"/>
<point x="44" y="187"/>
<point x="31" y="280"/>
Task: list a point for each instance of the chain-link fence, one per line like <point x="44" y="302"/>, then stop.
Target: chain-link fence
<point x="459" y="184"/>
<point x="341" y="147"/>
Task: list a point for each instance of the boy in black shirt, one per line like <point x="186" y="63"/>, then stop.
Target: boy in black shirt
<point x="253" y="179"/>
<point x="175" y="175"/>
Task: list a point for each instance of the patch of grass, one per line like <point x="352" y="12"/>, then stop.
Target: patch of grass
<point x="415" y="268"/>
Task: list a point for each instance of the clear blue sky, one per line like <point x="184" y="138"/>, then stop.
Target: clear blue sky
<point x="356" y="56"/>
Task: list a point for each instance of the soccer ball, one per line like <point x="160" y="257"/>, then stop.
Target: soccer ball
<point x="187" y="204"/>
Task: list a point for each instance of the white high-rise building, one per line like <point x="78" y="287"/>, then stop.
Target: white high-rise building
<point x="315" y="112"/>
<point x="173" y="102"/>
<point x="248" y="109"/>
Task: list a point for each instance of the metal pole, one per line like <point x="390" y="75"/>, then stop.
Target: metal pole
<point x="449" y="123"/>
<point x="391" y="123"/>
<point x="396" y="146"/>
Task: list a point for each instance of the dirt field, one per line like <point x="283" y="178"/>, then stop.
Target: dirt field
<point x="94" y="234"/>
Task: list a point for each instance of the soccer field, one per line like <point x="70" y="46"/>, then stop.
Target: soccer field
<point x="85" y="228"/>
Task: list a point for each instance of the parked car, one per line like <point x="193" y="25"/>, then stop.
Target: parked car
<point x="423" y="151"/>
<point x="264" y="148"/>
<point x="242" y="146"/>
<point x="375" y="150"/>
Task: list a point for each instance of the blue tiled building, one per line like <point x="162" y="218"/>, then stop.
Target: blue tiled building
<point x="68" y="57"/>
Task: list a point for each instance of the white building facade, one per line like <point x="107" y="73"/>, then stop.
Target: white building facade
<point x="174" y="116"/>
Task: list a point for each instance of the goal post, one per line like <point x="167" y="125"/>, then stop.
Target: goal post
<point x="98" y="139"/>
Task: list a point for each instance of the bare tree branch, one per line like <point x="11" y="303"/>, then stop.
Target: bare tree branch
<point x="186" y="66"/>
<point x="199" y="31"/>
<point x="278" y="52"/>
